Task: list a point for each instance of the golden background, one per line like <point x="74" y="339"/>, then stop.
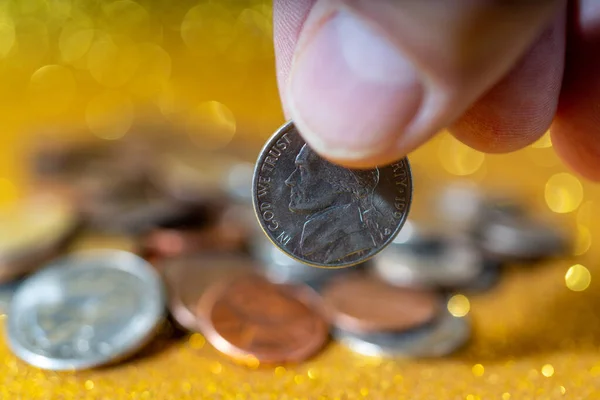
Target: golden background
<point x="92" y="70"/>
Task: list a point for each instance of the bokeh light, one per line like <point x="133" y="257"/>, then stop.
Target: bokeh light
<point x="544" y="142"/>
<point x="109" y="115"/>
<point x="578" y="278"/>
<point x="113" y="60"/>
<point x="150" y="80"/>
<point x="211" y="125"/>
<point x="548" y="370"/>
<point x="459" y="305"/>
<point x="7" y="35"/>
<point x="52" y="89"/>
<point x="478" y="370"/>
<point x="583" y="240"/>
<point x="457" y="158"/>
<point x="75" y="38"/>
<point x="563" y="193"/>
<point x="208" y="21"/>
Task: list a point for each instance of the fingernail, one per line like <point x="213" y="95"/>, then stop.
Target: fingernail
<point x="351" y="91"/>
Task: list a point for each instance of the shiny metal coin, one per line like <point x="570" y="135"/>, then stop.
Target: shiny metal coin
<point x="239" y="182"/>
<point x="187" y="279"/>
<point x="33" y="232"/>
<point x="7" y="291"/>
<point x="462" y="205"/>
<point x="88" y="309"/>
<point x="250" y="317"/>
<point x="446" y="335"/>
<point x="361" y="303"/>
<point x="322" y="214"/>
<point x="424" y="258"/>
<point x="280" y="268"/>
<point x="520" y="238"/>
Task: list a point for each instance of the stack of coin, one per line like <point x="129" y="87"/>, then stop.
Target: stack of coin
<point x="374" y="318"/>
<point x="267" y="260"/>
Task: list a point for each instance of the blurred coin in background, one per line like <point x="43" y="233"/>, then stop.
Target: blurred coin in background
<point x="33" y="231"/>
<point x="441" y="337"/>
<point x="426" y="257"/>
<point x="249" y="317"/>
<point x="188" y="278"/>
<point x="361" y="303"/>
<point x="88" y="309"/>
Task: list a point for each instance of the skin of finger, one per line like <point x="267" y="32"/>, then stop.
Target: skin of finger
<point x="288" y="19"/>
<point x="575" y="132"/>
<point x="461" y="71"/>
<point x="463" y="52"/>
<point x="519" y="109"/>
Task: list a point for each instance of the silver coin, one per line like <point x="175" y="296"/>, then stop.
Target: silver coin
<point x="88" y="309"/>
<point x="520" y="238"/>
<point x="322" y="214"/>
<point x="462" y="204"/>
<point x="418" y="257"/>
<point x="7" y="290"/>
<point x="280" y="268"/>
<point x="239" y="182"/>
<point x="443" y="337"/>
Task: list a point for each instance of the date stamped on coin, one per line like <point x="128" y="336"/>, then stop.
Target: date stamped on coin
<point x="322" y="214"/>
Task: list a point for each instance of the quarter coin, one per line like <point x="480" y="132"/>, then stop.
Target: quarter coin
<point x="323" y="214"/>
<point x="250" y="317"/>
<point x="88" y="309"/>
<point x="361" y="303"/>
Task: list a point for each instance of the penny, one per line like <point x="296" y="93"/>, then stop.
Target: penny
<point x="87" y="309"/>
<point x="323" y="214"/>
<point x="439" y="339"/>
<point x="252" y="317"/>
<point x="361" y="303"/>
<point x="34" y="231"/>
<point x="187" y="279"/>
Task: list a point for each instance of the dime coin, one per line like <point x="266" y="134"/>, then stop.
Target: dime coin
<point x="252" y="317"/>
<point x="322" y="214"/>
<point x="88" y="309"/>
<point x="33" y="232"/>
<point x="361" y="303"/>
<point x="187" y="279"/>
<point x="439" y="339"/>
<point x="425" y="258"/>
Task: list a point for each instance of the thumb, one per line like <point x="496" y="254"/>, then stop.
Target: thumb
<point x="367" y="81"/>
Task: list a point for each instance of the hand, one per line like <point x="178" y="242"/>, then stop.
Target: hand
<point x="367" y="81"/>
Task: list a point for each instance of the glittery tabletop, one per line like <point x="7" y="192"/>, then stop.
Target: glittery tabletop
<point x="208" y="67"/>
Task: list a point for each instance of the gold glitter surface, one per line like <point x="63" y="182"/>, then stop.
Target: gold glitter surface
<point x="209" y="65"/>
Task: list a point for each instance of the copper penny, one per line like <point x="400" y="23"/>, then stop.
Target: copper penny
<point x="252" y="317"/>
<point x="361" y="303"/>
<point x="187" y="279"/>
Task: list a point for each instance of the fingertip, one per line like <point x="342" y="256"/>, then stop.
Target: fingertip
<point x="351" y="91"/>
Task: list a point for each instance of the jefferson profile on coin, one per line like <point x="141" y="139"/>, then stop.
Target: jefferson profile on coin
<point x="342" y="223"/>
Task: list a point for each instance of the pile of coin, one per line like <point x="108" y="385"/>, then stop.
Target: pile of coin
<point x="201" y="261"/>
